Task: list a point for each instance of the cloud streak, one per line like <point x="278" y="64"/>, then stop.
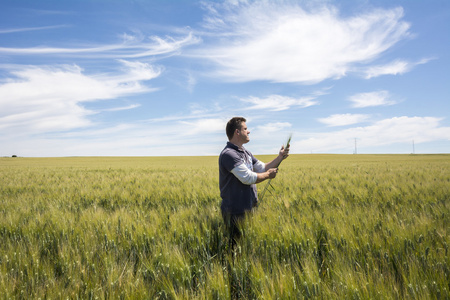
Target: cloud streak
<point x="396" y="67"/>
<point x="371" y="99"/>
<point x="274" y="127"/>
<point x="277" y="102"/>
<point x="25" y="29"/>
<point x="131" y="47"/>
<point x="132" y="106"/>
<point x="203" y="126"/>
<point x="343" y="119"/>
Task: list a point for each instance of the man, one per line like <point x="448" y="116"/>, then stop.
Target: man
<point x="239" y="171"/>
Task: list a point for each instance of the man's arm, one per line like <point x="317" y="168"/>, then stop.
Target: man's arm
<point x="246" y="176"/>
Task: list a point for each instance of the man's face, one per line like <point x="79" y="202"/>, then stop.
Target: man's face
<point x="244" y="133"/>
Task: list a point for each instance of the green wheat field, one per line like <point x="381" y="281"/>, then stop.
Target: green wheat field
<point x="332" y="227"/>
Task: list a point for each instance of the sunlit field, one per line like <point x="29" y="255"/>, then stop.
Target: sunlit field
<point x="332" y="227"/>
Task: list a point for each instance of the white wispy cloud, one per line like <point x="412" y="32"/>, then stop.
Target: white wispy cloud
<point x="394" y="68"/>
<point x="130" y="47"/>
<point x="131" y="106"/>
<point x="135" y="71"/>
<point x="278" y="102"/>
<point x="384" y="132"/>
<point x="343" y="119"/>
<point x="24" y="29"/>
<point x="274" y="127"/>
<point x="378" y="98"/>
<point x="203" y="125"/>
<point x="40" y="99"/>
<point x="282" y="42"/>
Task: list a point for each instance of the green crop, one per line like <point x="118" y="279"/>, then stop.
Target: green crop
<point x="335" y="227"/>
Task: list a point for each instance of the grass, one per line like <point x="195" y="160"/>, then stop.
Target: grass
<point x="336" y="226"/>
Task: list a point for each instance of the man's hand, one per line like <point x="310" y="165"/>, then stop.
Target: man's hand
<point x="272" y="173"/>
<point x="269" y="174"/>
<point x="284" y="152"/>
<point x="282" y="155"/>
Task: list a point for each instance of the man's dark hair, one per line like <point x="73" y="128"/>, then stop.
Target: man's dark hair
<point x="233" y="124"/>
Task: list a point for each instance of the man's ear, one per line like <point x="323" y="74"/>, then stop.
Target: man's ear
<point x="237" y="131"/>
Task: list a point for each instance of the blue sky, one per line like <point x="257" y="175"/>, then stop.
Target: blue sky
<point x="135" y="77"/>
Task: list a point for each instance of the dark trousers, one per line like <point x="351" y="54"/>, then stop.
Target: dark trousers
<point x="232" y="224"/>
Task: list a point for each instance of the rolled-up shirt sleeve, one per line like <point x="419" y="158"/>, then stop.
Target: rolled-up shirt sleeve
<point x="244" y="174"/>
<point x="259" y="167"/>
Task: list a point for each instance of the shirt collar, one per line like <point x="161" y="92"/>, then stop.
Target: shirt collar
<point x="235" y="147"/>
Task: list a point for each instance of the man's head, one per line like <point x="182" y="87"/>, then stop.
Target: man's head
<point x="237" y="130"/>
